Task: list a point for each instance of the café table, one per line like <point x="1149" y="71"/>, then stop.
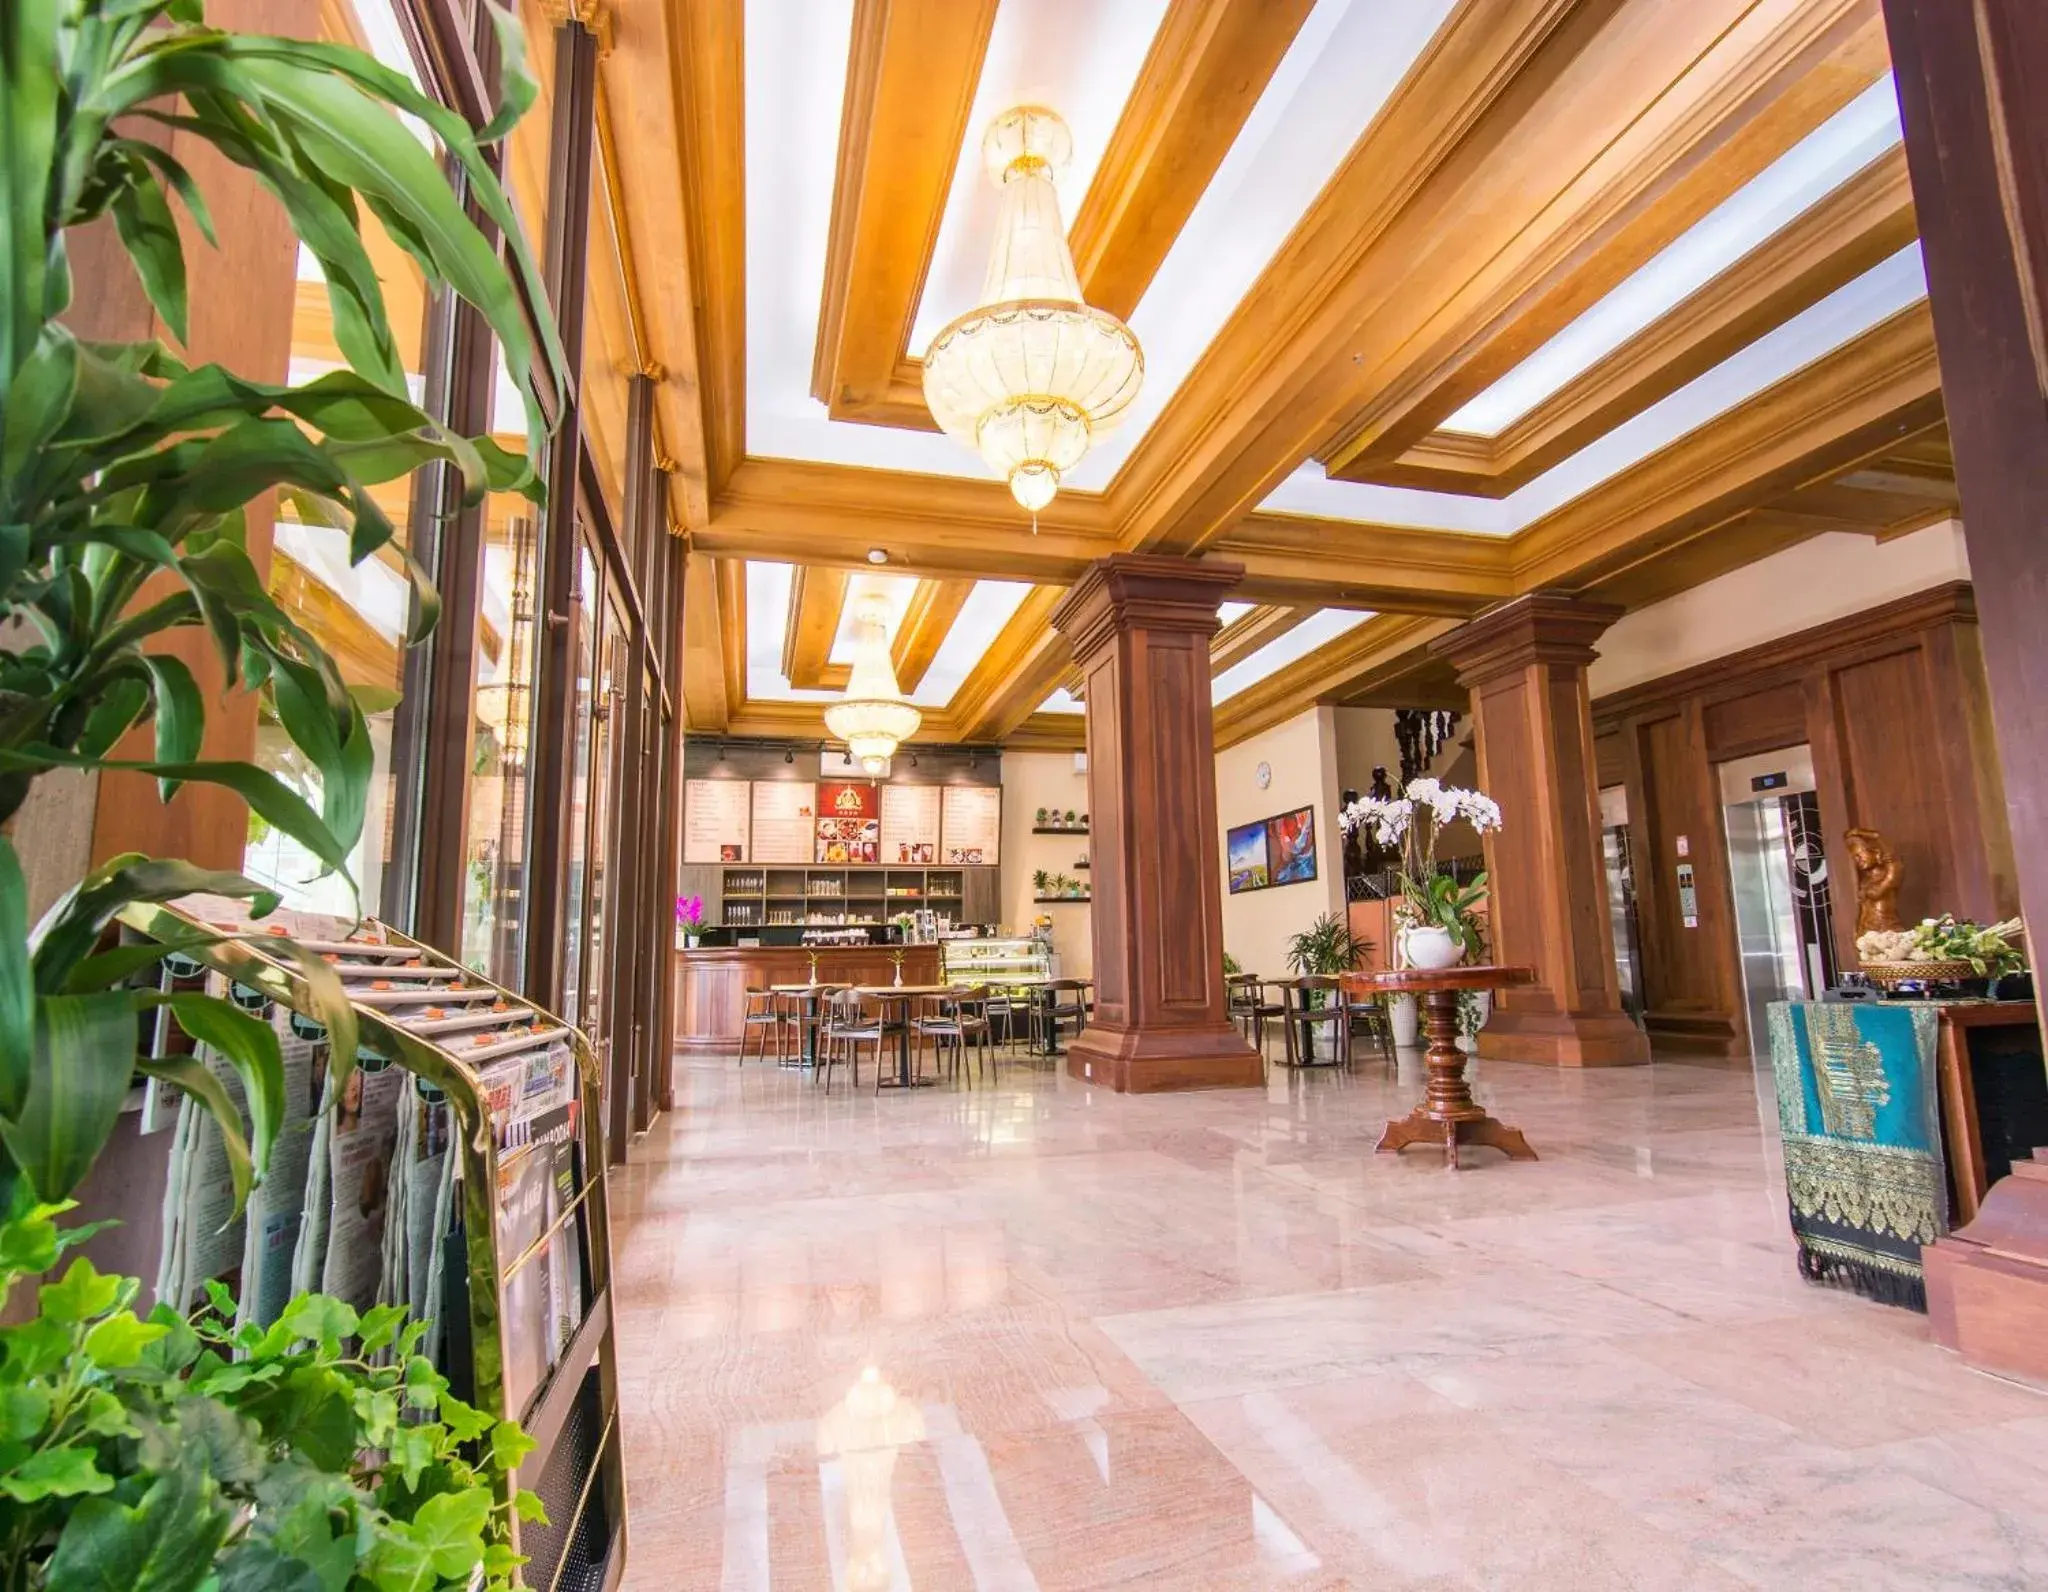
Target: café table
<point x="1448" y="1115"/>
<point x="900" y="996"/>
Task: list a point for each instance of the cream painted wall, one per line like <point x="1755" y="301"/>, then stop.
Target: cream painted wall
<point x="1032" y="780"/>
<point x="1827" y="577"/>
<point x="1365" y="740"/>
<point x="1303" y="756"/>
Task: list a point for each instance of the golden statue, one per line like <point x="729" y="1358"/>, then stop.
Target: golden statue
<point x="1877" y="881"/>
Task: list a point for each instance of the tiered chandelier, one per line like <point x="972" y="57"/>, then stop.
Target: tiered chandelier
<point x="873" y="717"/>
<point x="1031" y="376"/>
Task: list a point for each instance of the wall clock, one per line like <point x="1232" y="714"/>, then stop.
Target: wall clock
<point x="1263" y="774"/>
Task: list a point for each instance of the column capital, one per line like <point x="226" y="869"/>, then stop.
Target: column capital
<point x="1541" y="627"/>
<point x="1141" y="591"/>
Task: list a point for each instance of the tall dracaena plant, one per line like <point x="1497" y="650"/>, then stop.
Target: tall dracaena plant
<point x="124" y="471"/>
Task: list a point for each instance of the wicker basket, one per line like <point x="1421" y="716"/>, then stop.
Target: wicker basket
<point x="1890" y="974"/>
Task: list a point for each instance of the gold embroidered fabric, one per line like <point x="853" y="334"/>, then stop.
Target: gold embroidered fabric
<point x="1869" y="1186"/>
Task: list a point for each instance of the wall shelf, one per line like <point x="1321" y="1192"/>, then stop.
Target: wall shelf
<point x="1057" y="829"/>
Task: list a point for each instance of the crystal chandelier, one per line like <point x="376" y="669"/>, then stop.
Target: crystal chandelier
<point x="873" y="716"/>
<point x="1031" y="376"/>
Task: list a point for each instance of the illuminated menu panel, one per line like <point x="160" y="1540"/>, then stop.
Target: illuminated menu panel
<point x="910" y="825"/>
<point x="971" y="825"/>
<point x="785" y="821"/>
<point x="717" y="816"/>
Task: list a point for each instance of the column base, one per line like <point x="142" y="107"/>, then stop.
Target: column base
<point x="1560" y="1039"/>
<point x="1136" y="1061"/>
<point x="1987" y="1283"/>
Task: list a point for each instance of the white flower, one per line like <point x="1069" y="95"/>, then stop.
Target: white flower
<point x="1425" y="789"/>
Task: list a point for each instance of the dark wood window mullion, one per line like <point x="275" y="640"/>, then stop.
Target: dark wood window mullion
<point x="565" y="267"/>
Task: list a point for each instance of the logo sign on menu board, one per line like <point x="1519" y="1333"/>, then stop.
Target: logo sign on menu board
<point x="849" y="823"/>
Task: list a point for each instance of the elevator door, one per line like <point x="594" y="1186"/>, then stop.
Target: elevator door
<point x="1766" y="922"/>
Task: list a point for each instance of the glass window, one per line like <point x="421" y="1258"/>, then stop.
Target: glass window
<point x="494" y="892"/>
<point x="582" y="730"/>
<point x="358" y="613"/>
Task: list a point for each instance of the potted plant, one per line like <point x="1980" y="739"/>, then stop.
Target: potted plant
<point x="1070" y="819"/>
<point x="1039" y="818"/>
<point x="1041" y="882"/>
<point x="161" y="1452"/>
<point x="1325" y="948"/>
<point x="690" y="919"/>
<point x="1439" y="915"/>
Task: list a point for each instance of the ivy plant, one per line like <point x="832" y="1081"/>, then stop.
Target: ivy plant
<point x="322" y="1454"/>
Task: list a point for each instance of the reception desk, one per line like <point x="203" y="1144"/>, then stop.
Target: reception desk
<point x="712" y="982"/>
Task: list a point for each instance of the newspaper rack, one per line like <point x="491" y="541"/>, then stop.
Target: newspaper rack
<point x="560" y="1382"/>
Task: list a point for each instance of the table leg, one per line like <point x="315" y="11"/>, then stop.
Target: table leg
<point x="1448" y="1114"/>
<point x="811" y="1026"/>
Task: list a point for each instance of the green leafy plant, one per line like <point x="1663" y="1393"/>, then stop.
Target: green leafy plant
<point x="124" y="471"/>
<point x="1327" y="946"/>
<point x="169" y="1455"/>
<point x="1438" y="899"/>
<point x="1231" y="968"/>
<point x="1992" y="950"/>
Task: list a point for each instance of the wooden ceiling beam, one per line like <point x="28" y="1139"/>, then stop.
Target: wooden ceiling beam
<point x="706" y="698"/>
<point x="1245" y="634"/>
<point x="1331" y="670"/>
<point x="1528" y="138"/>
<point x="707" y="88"/>
<point x="1849" y="406"/>
<point x="928" y="619"/>
<point x="1773" y="75"/>
<point x="1862" y="223"/>
<point x="817" y="598"/>
<point x="910" y="82"/>
<point x="1021" y="668"/>
<point x="1209" y="63"/>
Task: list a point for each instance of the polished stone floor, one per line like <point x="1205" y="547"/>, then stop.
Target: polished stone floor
<point x="1035" y="1335"/>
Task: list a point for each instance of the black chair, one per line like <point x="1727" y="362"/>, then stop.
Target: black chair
<point x="1252" y="1006"/>
<point x="850" y="1022"/>
<point x="952" y="1022"/>
<point x="1054" y="1002"/>
<point x="1369" y="1016"/>
<point x="1310" y="1004"/>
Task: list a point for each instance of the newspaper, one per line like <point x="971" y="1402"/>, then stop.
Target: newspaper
<point x="277" y="1208"/>
<point x="204" y="1237"/>
<point x="362" y="1128"/>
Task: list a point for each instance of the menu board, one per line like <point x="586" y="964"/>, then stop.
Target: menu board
<point x="785" y="821"/>
<point x="910" y="825"/>
<point x="849" y="822"/>
<point x="716" y="814"/>
<point x="971" y="825"/>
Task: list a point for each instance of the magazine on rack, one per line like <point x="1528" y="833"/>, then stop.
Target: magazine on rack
<point x="277" y="1207"/>
<point x="203" y="1237"/>
<point x="362" y="1127"/>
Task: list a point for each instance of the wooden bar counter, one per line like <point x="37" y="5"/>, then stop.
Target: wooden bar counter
<point x="712" y="981"/>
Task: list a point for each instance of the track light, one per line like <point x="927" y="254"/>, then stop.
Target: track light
<point x="788" y="755"/>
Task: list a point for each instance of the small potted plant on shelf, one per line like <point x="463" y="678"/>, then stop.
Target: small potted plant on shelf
<point x="690" y="919"/>
<point x="1070" y="822"/>
<point x="1325" y="948"/>
<point x="1041" y="883"/>
<point x="1040" y="818"/>
<point x="1440" y="917"/>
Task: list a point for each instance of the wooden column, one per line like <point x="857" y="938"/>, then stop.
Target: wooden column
<point x="1971" y="76"/>
<point x="1973" y="91"/>
<point x="1140" y="626"/>
<point x="1525" y="665"/>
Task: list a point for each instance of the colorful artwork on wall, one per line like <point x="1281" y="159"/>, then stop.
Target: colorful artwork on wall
<point x="1274" y="851"/>
<point x="1247" y="851"/>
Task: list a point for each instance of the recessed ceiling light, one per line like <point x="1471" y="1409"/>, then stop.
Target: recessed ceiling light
<point x="877" y="555"/>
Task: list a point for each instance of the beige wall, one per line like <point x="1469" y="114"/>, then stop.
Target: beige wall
<point x="1365" y="740"/>
<point x="1302" y="754"/>
<point x="1032" y="780"/>
<point x="1829" y="577"/>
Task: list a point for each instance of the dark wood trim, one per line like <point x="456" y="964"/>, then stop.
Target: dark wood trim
<point x="1885" y="628"/>
<point x="574" y="136"/>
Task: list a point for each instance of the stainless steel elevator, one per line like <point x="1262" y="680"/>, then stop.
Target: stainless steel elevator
<point x="1778" y="876"/>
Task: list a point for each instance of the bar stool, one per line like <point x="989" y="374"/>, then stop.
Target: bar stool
<point x="761" y="1015"/>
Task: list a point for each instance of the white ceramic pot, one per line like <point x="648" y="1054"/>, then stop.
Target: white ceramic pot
<point x="1406" y="1020"/>
<point x="1428" y="946"/>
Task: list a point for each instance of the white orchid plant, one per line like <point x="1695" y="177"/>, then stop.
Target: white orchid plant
<point x="1412" y="821"/>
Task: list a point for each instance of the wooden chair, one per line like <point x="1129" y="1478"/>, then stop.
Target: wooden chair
<point x="800" y="1014"/>
<point x="1252" y="1006"/>
<point x="1055" y="1002"/>
<point x="1369" y="1016"/>
<point x="850" y="1022"/>
<point x="952" y="1022"/>
<point x="762" y="1014"/>
<point x="1300" y="1017"/>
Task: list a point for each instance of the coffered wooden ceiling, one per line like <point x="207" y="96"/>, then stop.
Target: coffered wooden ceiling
<point x="1442" y="301"/>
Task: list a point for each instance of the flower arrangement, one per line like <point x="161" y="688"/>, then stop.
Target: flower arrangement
<point x="1991" y="950"/>
<point x="1431" y="898"/>
<point x="690" y="916"/>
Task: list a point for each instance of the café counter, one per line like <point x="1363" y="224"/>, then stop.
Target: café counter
<point x="712" y="981"/>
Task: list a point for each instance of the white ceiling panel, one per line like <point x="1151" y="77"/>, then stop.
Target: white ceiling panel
<point x="1323" y="626"/>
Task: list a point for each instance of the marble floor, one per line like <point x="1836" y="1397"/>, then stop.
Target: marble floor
<point x="1036" y="1335"/>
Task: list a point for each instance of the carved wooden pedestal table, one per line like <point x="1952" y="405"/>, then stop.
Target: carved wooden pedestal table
<point x="1448" y="1114"/>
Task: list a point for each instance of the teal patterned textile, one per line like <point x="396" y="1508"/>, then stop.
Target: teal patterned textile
<point x="1861" y="1118"/>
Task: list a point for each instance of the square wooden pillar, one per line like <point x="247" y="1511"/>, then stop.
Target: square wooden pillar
<point x="1525" y="665"/>
<point x="1140" y="626"/>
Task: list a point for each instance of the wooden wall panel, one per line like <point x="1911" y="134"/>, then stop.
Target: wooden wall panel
<point x="1759" y="721"/>
<point x="1608" y="759"/>
<point x="1893" y="704"/>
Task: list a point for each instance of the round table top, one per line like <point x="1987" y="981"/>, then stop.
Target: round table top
<point x="889" y="991"/>
<point x="1421" y="980"/>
